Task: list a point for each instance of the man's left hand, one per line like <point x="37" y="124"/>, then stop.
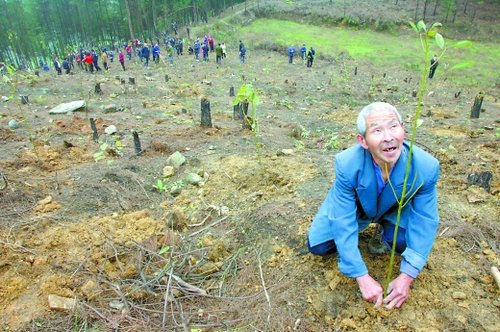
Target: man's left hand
<point x="398" y="291"/>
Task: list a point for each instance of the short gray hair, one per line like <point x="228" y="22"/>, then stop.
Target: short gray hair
<point x="374" y="107"/>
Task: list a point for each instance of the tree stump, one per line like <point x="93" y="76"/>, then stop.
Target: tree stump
<point x="118" y="78"/>
<point x="123" y="81"/>
<point x="167" y="78"/>
<point x="137" y="143"/>
<point x="97" y="88"/>
<point x="414" y="93"/>
<point x="131" y="80"/>
<point x="356" y="71"/>
<point x="206" y="117"/>
<point x="476" y="108"/>
<point x="481" y="179"/>
<point x="95" y="135"/>
<point x="247" y="120"/>
<point x="457" y="94"/>
<point x="37" y="73"/>
<point x="237" y="112"/>
<point x="24" y="100"/>
<point x="231" y="91"/>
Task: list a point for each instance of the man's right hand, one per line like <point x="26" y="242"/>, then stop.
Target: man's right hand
<point x="370" y="289"/>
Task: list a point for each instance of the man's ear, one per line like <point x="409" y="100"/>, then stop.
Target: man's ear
<point x="362" y="141"/>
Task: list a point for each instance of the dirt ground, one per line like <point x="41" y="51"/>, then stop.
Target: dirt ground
<point x="227" y="253"/>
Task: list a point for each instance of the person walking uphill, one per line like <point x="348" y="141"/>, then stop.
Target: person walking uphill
<point x="121" y="59"/>
<point x="145" y="54"/>
<point x="434" y="64"/>
<point x="291" y="54"/>
<point x="310" y="57"/>
<point x="369" y="179"/>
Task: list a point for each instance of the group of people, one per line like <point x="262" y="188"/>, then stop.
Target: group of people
<point x="307" y="56"/>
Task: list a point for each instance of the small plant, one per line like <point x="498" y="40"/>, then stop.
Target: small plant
<point x="101" y="154"/>
<point x="247" y="95"/>
<point x="160" y="185"/>
<point x="299" y="145"/>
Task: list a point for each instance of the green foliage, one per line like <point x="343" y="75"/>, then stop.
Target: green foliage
<point x="101" y="154"/>
<point x="160" y="185"/>
<point x="247" y="94"/>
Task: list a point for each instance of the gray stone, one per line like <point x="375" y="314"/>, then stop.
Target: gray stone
<point x="13" y="124"/>
<point x="64" y="108"/>
<point x="110" y="130"/>
<point x="176" y="160"/>
<point x="168" y="171"/>
<point x="193" y="178"/>
<point x="112" y="108"/>
<point x="60" y="303"/>
<point x="175" y="191"/>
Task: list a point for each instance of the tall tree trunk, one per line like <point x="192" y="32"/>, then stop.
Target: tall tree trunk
<point x="416" y="10"/>
<point x="425" y="8"/>
<point x="129" y="20"/>
<point x="466" y="2"/>
<point x="435" y="8"/>
<point x="153" y="5"/>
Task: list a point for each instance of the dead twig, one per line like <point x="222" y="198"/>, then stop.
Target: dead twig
<point x="200" y="223"/>
<point x="207" y="227"/>
<point x="265" y="289"/>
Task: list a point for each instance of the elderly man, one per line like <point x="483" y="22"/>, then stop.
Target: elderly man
<point x="369" y="179"/>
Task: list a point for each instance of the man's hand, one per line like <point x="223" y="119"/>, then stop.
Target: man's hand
<point x="398" y="291"/>
<point x="370" y="289"/>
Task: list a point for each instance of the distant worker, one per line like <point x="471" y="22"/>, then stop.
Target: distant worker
<point x="434" y="64"/>
<point x="243" y="53"/>
<point x="303" y="51"/>
<point x="121" y="59"/>
<point x="310" y="57"/>
<point x="291" y="54"/>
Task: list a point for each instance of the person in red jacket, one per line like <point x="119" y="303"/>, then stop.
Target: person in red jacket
<point x="89" y="61"/>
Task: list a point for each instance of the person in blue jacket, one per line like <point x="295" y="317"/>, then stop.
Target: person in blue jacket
<point x="145" y="53"/>
<point x="196" y="49"/>
<point x="369" y="180"/>
<point x="156" y="53"/>
<point x="303" y="51"/>
<point x="291" y="53"/>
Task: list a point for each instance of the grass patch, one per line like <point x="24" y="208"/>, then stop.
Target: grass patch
<point x="381" y="49"/>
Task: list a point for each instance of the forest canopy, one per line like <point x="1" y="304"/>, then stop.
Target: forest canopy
<point x="34" y="29"/>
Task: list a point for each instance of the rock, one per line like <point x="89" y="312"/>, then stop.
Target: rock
<point x="60" y="303"/>
<point x="176" y="160"/>
<point x="68" y="107"/>
<point x="285" y="152"/>
<point x="168" y="171"/>
<point x="193" y="178"/>
<point x="112" y="108"/>
<point x="118" y="305"/>
<point x="13" y="124"/>
<point x="5" y="98"/>
<point x="110" y="130"/>
<point x="175" y="191"/>
<point x="459" y="295"/>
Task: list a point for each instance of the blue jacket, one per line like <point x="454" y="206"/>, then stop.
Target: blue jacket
<point x="352" y="203"/>
<point x="145" y="52"/>
<point x="291" y="51"/>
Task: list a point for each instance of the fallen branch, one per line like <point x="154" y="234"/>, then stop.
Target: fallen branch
<point x="265" y="289"/>
<point x="207" y="227"/>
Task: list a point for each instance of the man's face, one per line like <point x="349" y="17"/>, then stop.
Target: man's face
<point x="383" y="138"/>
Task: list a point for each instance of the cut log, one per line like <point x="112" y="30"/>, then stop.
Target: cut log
<point x="481" y="179"/>
<point x="237" y="112"/>
<point x="137" y="143"/>
<point x="206" y="117"/>
<point x="97" y="88"/>
<point x="476" y="108"/>
<point x="95" y="135"/>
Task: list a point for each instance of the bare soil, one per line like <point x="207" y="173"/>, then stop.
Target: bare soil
<point x="228" y="253"/>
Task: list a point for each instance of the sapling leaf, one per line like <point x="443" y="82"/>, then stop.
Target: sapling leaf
<point x="462" y="65"/>
<point x="435" y="26"/>
<point x="163" y="250"/>
<point x="421" y="26"/>
<point x="463" y="43"/>
<point x="431" y="34"/>
<point x="439" y="40"/>
<point x="413" y="26"/>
